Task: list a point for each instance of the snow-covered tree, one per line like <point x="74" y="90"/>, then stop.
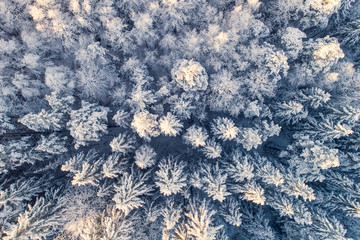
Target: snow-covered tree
<point x="314" y="97"/>
<point x="18" y="192"/>
<point x="270" y="175"/>
<point x="212" y="149"/>
<point x="291" y="112"/>
<point x="52" y="144"/>
<point x="88" y="123"/>
<point x="325" y="53"/>
<point x="326" y="227"/>
<point x="213" y="182"/>
<point x="15" y="153"/>
<point x="224" y="128"/>
<point x="195" y="136"/>
<point x="171" y="214"/>
<point x="122" y="118"/>
<point x="145" y="124"/>
<point x="250" y="138"/>
<point x="326" y="129"/>
<point x="145" y="157"/>
<point x="110" y="224"/>
<point x="170" y="177"/>
<point x="230" y="211"/>
<point x="113" y="166"/>
<point x="200" y="223"/>
<point x="129" y="190"/>
<point x="169" y="125"/>
<point x="60" y="102"/>
<point x="292" y="41"/>
<point x="182" y="106"/>
<point x="95" y="74"/>
<point x="225" y="93"/>
<point x="86" y="168"/>
<point x="5" y="124"/>
<point x="298" y="188"/>
<point x="123" y="143"/>
<point x="44" y="121"/>
<point x="59" y="78"/>
<point x="252" y="192"/>
<point x="240" y="167"/>
<point x="39" y="218"/>
<point x="190" y="75"/>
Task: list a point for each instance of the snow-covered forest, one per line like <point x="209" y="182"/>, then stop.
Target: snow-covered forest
<point x="180" y="119"/>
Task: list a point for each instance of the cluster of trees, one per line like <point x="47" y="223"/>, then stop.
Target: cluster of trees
<point x="179" y="119"/>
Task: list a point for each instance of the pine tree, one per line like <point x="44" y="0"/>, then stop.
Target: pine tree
<point x="129" y="191"/>
<point x="199" y="222"/>
<point x="88" y="123"/>
<point x="170" y="177"/>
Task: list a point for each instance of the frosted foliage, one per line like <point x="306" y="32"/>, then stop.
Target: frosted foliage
<point x="37" y="13"/>
<point x="277" y="62"/>
<point x="52" y="144"/>
<point x="145" y="157"/>
<point x="170" y="125"/>
<point x="5" y="123"/>
<point x="87" y="174"/>
<point x="250" y="138"/>
<point x="325" y="6"/>
<point x="327" y="129"/>
<point x="321" y="156"/>
<point x="326" y="52"/>
<point x="269" y="129"/>
<point x="60" y="103"/>
<point x="195" y="136"/>
<point x="284" y="205"/>
<point x="212" y="149"/>
<point x="113" y="166"/>
<point x="110" y="224"/>
<point x="348" y="113"/>
<point x="315" y="97"/>
<point x="181" y="106"/>
<point x="123" y="143"/>
<point x="230" y="211"/>
<point x="291" y="112"/>
<point x="31" y="60"/>
<point x="141" y="98"/>
<point x="171" y="215"/>
<point x="88" y="123"/>
<point x="59" y="78"/>
<point x="38" y="219"/>
<point x="292" y="41"/>
<point x="297" y="188"/>
<point x="225" y="91"/>
<point x="223" y="83"/>
<point x="271" y="175"/>
<point x="19" y="191"/>
<point x="199" y="222"/>
<point x="145" y="124"/>
<point x="190" y="75"/>
<point x="170" y="177"/>
<point x="240" y="169"/>
<point x="252" y="110"/>
<point x="252" y="192"/>
<point x="121" y="118"/>
<point x="224" y="128"/>
<point x="329" y="228"/>
<point x="85" y="168"/>
<point x="43" y="121"/>
<point x="213" y="181"/>
<point x="15" y="153"/>
<point x="129" y="191"/>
